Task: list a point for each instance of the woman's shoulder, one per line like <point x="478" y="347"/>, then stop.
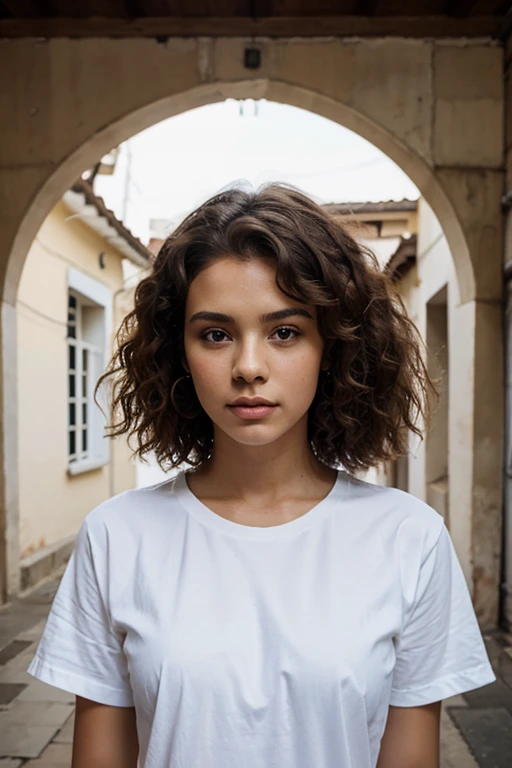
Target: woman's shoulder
<point x="132" y="509"/>
<point x="399" y="511"/>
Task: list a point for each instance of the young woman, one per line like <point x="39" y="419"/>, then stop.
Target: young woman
<point x="264" y="607"/>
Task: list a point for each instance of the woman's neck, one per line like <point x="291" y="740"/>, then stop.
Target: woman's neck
<point x="286" y="467"/>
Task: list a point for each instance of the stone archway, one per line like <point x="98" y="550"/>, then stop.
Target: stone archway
<point x="100" y="143"/>
<point x="403" y="87"/>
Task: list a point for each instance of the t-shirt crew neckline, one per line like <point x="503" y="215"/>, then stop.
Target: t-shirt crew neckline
<point x="208" y="517"/>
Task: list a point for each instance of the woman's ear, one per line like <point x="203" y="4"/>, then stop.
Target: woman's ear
<point x="325" y="364"/>
<point x="327" y="355"/>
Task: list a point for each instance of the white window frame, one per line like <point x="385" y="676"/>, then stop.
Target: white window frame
<point x="88" y="291"/>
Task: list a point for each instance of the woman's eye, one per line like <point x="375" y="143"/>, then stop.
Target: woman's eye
<point x="287" y="330"/>
<point x="216" y="335"/>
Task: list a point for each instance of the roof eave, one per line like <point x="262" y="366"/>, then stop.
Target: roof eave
<point x="94" y="213"/>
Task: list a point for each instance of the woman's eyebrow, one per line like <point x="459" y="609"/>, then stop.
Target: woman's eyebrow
<point x="280" y="314"/>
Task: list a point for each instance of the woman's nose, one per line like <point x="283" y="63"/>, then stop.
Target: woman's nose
<point x="250" y="363"/>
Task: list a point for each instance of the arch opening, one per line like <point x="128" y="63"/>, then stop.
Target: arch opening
<point x="101" y="142"/>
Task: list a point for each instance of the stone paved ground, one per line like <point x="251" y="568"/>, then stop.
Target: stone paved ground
<point x="36" y="720"/>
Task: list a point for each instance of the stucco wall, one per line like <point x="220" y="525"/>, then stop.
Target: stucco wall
<point x="428" y="104"/>
<point x="52" y="502"/>
<point x="435" y="270"/>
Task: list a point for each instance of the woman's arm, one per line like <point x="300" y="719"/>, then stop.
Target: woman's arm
<point x="104" y="736"/>
<point x="411" y="737"/>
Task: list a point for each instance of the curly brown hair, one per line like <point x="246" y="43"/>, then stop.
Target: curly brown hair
<point x="377" y="385"/>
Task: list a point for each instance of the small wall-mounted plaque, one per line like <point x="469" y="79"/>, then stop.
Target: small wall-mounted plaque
<point x="252" y="58"/>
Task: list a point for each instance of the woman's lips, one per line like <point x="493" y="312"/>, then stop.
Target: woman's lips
<point x="252" y="411"/>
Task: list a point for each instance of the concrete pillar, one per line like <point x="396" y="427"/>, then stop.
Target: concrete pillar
<point x="507" y="264"/>
<point x="477" y="193"/>
<point x="468" y="154"/>
<point x="9" y="521"/>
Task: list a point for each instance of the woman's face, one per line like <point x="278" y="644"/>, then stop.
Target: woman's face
<point x="233" y="350"/>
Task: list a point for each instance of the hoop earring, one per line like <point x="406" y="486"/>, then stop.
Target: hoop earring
<point x="185" y="415"/>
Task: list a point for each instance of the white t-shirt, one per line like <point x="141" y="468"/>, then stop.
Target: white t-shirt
<point x="262" y="646"/>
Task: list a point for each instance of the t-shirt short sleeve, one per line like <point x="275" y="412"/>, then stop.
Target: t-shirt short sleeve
<point x="440" y="651"/>
<point x="79" y="651"/>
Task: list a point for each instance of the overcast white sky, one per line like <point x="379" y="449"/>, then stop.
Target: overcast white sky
<point x="180" y="162"/>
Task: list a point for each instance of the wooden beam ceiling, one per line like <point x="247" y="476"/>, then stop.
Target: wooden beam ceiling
<point x="22" y="8"/>
<point x="140" y="8"/>
<point x="366" y="7"/>
<point x="459" y="7"/>
<point x="311" y="26"/>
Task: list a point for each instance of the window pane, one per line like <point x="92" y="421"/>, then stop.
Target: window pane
<point x="84" y="440"/>
<point x="72" y="415"/>
<point x="84" y="386"/>
<point x="72" y="357"/>
<point x="71" y="443"/>
<point x="71" y="385"/>
<point x="84" y="413"/>
<point x="72" y="331"/>
<point x="72" y="301"/>
<point x="84" y="359"/>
